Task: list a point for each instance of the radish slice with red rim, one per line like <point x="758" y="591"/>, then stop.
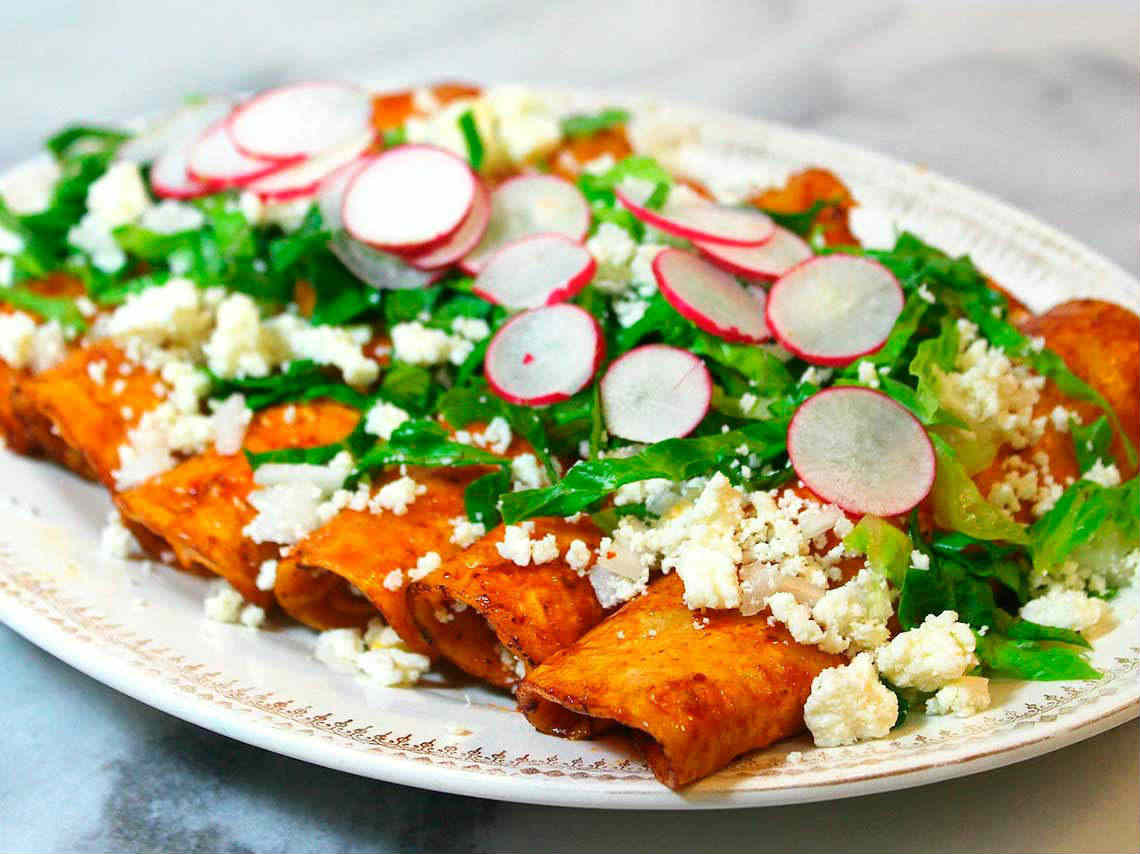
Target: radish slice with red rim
<point x="857" y="448"/>
<point x="409" y="198"/>
<point x="170" y="180"/>
<point x="544" y="355"/>
<point x="292" y="122"/>
<point x="330" y="194"/>
<point x="175" y="132"/>
<point x="704" y="221"/>
<point x="382" y="270"/>
<point x="304" y="179"/>
<point x="655" y="392"/>
<point x="709" y="297"/>
<point x="214" y="160"/>
<point x="538" y="270"/>
<point x="527" y="205"/>
<point x="469" y="233"/>
<point x="768" y="261"/>
<point x="834" y="309"/>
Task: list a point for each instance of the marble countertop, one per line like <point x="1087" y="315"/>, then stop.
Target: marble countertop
<point x="1034" y="102"/>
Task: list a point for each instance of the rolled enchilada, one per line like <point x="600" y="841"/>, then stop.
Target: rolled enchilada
<point x="700" y="689"/>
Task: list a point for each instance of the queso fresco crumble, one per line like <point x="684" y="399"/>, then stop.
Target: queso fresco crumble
<point x="687" y="394"/>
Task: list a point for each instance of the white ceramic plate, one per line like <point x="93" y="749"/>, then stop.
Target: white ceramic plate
<point x="145" y="634"/>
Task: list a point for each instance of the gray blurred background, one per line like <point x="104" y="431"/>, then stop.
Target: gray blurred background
<point x="1034" y="102"/>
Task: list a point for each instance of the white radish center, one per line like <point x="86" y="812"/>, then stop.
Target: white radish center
<point x="709" y="296"/>
<point x="655" y="392"/>
<point x="770" y="259"/>
<point x="861" y="450"/>
<point x="408" y="197"/>
<point x="527" y="205"/>
<point x="536" y="271"/>
<point x="544" y="355"/>
<point x="834" y="309"/>
<point x="300" y="120"/>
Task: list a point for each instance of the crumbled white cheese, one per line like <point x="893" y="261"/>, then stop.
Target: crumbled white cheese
<point x="1022" y="481"/>
<point x="464" y="533"/>
<point x="174" y="314"/>
<point x="613" y="250"/>
<point x="229" y="422"/>
<point x="116" y="542"/>
<point x="578" y="556"/>
<point x="991" y="393"/>
<point x="962" y="697"/>
<point x="527" y="473"/>
<point x="94" y="238"/>
<point x="1106" y="475"/>
<point x="497" y="436"/>
<point x="515" y="545"/>
<point x="544" y="550"/>
<point x="471" y="328"/>
<point x="868" y="375"/>
<point x="338" y="346"/>
<point x="170" y="217"/>
<point x="849" y="704"/>
<point x="266" y="575"/>
<point x="425" y="565"/>
<point x="397" y="495"/>
<point x="383" y="418"/>
<point x="27" y="344"/>
<point x="927" y="657"/>
<point x="394" y="580"/>
<point x="118" y="196"/>
<point x="416" y="344"/>
<point x="514" y="124"/>
<point x="1065" y="609"/>
<point x="641" y="267"/>
<point x="856" y="613"/>
<point x="239" y="346"/>
<point x="225" y="605"/>
<point x="919" y="560"/>
<point x="386" y="660"/>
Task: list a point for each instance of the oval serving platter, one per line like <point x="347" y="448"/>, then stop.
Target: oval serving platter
<point x="143" y="631"/>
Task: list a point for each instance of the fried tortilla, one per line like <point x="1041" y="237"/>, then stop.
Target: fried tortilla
<point x="1100" y="342"/>
<point x="374" y="553"/>
<point x="199" y="508"/>
<point x="79" y="412"/>
<point x="494" y="618"/>
<point x="700" y="689"/>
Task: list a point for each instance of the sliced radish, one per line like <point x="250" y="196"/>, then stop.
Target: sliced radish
<point x="857" y="448"/>
<point x="703" y="221"/>
<point x="176" y="131"/>
<point x="300" y="120"/>
<point x="544" y="355"/>
<point x="214" y="160"/>
<point x="330" y="194"/>
<point x="408" y="198"/>
<point x="526" y="205"/>
<point x="834" y="309"/>
<point x="469" y="233"/>
<point x="304" y="179"/>
<point x="381" y="270"/>
<point x="768" y="261"/>
<point x="538" y="270"/>
<point x="170" y="180"/>
<point x="655" y="392"/>
<point x="709" y="297"/>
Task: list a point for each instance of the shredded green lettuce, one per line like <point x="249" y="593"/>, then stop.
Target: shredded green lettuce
<point x="588" y="482"/>
<point x="960" y="506"/>
<point x="886" y="547"/>
<point x="588" y="124"/>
